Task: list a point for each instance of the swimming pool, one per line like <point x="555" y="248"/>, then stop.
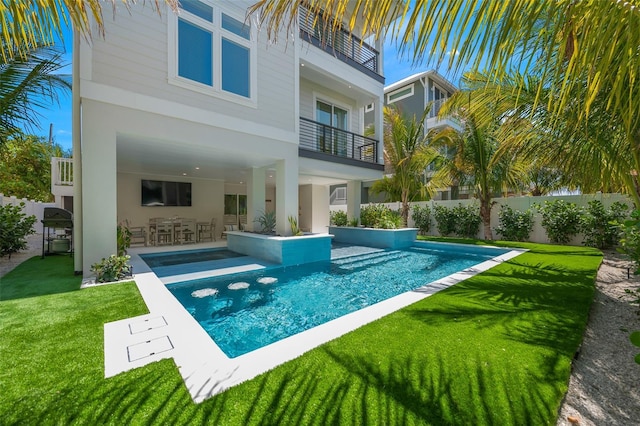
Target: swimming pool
<point x="155" y="260"/>
<point x="244" y="312"/>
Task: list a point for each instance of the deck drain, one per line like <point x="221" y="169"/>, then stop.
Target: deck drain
<point x="149" y="348"/>
<point x="147" y="324"/>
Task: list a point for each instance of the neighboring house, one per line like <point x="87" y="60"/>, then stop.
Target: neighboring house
<point x="202" y="98"/>
<point x="411" y="96"/>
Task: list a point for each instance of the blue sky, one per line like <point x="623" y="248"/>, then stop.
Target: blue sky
<point x="395" y="69"/>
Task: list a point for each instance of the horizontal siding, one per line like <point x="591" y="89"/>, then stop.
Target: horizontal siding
<point x="134" y="56"/>
<point x="307" y="108"/>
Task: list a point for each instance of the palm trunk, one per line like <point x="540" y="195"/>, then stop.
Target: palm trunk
<point x="485" y="214"/>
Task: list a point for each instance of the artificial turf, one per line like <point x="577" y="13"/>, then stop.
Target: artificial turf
<point x="494" y="349"/>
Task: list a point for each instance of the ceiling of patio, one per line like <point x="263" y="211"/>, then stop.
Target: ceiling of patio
<point x="152" y="157"/>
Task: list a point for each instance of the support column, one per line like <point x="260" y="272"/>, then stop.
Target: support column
<point x="77" y="159"/>
<point x="255" y="197"/>
<point x="379" y="125"/>
<point x="286" y="193"/>
<point x="99" y="192"/>
<point x="354" y="197"/>
<point x="320" y="203"/>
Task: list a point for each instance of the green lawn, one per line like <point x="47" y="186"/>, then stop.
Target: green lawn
<point x="495" y="349"/>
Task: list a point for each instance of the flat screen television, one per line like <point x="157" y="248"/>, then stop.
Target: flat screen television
<point x="162" y="193"/>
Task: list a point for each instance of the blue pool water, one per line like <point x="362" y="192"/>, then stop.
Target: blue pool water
<point x="186" y="256"/>
<point x="244" y="312"/>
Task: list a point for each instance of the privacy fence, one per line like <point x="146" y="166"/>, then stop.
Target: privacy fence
<point x="517" y="203"/>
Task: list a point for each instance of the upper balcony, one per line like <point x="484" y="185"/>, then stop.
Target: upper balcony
<point x="61" y="176"/>
<point x="433" y="121"/>
<point x="323" y="142"/>
<point x="340" y="43"/>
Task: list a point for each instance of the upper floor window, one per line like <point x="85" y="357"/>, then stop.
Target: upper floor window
<point x="402" y="93"/>
<point x="369" y="108"/>
<point x="214" y="51"/>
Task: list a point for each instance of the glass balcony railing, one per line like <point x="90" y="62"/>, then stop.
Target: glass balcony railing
<point x="319" y="137"/>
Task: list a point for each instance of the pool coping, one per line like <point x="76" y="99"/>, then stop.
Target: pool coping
<point x="169" y="331"/>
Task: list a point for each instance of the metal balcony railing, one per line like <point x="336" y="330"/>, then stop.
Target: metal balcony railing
<point x="62" y="171"/>
<point x="436" y="107"/>
<point x="345" y="46"/>
<point x="319" y="137"/>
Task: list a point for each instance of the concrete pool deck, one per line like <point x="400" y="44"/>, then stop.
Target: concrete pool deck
<point x="169" y="331"/>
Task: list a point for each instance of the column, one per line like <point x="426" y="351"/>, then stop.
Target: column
<point x="286" y="193"/>
<point x="255" y="196"/>
<point x="354" y="197"/>
<point x="99" y="192"/>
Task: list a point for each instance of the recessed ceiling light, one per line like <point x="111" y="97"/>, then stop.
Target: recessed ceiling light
<point x="302" y="65"/>
<point x="197" y="168"/>
<point x="241" y="182"/>
<point x="184" y="174"/>
<point x="270" y="176"/>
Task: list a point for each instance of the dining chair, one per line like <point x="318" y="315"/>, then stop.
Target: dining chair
<point x="187" y="231"/>
<point x="164" y="232"/>
<point x="207" y="230"/>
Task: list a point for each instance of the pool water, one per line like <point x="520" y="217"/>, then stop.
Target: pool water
<point x="155" y="260"/>
<point x="244" y="312"/>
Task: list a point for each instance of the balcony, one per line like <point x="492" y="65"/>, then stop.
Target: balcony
<point x="340" y="43"/>
<point x="328" y="143"/>
<point x="433" y="121"/>
<point x="61" y="176"/>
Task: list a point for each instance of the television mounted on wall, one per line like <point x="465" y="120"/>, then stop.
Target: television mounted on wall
<point x="164" y="194"/>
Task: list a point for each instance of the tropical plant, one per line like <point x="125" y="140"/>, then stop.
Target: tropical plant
<point x="635" y="339"/>
<point x="514" y="225"/>
<point x="380" y="216"/>
<point x="408" y="150"/>
<point x="293" y="223"/>
<point x="630" y="239"/>
<point x="27" y="83"/>
<point x="421" y="216"/>
<point x="14" y="227"/>
<point x="113" y="268"/>
<point x="600" y="225"/>
<point x="462" y="221"/>
<point x="475" y="161"/>
<point x="123" y="238"/>
<point x="267" y="221"/>
<point x="27" y="24"/>
<point x="338" y="218"/>
<point x="25" y="167"/>
<point x="560" y="220"/>
<point x="354" y="222"/>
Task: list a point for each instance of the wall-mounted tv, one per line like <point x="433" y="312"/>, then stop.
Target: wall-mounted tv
<point x="161" y="193"/>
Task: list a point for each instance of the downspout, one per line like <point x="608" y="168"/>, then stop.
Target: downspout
<point x="77" y="156"/>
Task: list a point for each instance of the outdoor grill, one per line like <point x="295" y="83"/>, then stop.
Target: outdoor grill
<point x="57" y="218"/>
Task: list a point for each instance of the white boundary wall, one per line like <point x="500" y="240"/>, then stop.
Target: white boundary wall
<point x="538" y="234"/>
<point x="35" y="208"/>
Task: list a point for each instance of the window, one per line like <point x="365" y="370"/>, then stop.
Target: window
<point x="213" y="51"/>
<point x="332" y="140"/>
<point x="369" y="107"/>
<point x="396" y="95"/>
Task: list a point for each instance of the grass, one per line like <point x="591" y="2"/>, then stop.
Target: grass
<point x="495" y="349"/>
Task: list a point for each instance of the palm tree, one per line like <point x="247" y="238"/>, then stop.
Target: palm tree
<point x="589" y="49"/>
<point x="408" y="151"/>
<point x="28" y="83"/>
<point x="26" y="24"/>
<point x="474" y="160"/>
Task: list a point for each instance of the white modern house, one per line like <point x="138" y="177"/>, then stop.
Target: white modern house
<point x="203" y="106"/>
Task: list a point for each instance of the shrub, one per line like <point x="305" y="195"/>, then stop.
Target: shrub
<point x="461" y="221"/>
<point x="293" y="223"/>
<point x="338" y="218"/>
<point x="14" y="227"/>
<point x="560" y="220"/>
<point x="354" y="222"/>
<point x="267" y="221"/>
<point x="123" y="236"/>
<point x="113" y="268"/>
<point x="422" y="218"/>
<point x="514" y="225"/>
<point x="380" y="216"/>
<point x="600" y="226"/>
<point x="630" y="239"/>
<point x="445" y="220"/>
